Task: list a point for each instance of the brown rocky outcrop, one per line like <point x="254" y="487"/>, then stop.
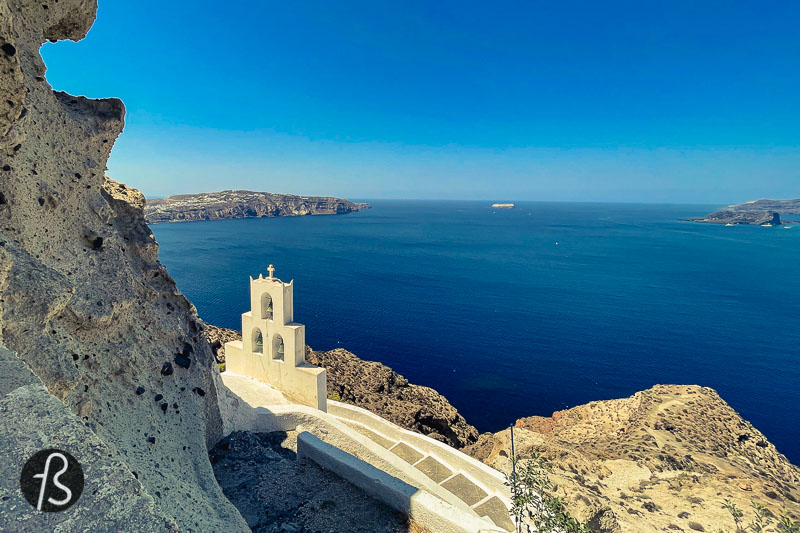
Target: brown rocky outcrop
<point x="378" y="388"/>
<point x="85" y="304"/>
<point x="243" y="204"/>
<point x="217" y="337"/>
<point x="660" y="460"/>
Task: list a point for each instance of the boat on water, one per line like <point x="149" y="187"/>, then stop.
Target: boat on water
<point x="503" y="206"/>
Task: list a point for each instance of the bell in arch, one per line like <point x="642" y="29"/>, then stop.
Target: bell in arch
<point x="258" y="343"/>
<point x="267" y="307"/>
<point x="280" y="350"/>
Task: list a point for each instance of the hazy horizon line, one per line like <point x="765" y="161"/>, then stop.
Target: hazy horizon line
<point x="485" y="199"/>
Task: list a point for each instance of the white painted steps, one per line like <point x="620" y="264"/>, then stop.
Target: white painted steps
<point x="480" y="487"/>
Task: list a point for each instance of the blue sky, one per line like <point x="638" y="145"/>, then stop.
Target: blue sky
<point x="576" y="101"/>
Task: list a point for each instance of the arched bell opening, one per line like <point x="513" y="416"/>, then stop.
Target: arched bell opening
<point x="266" y="306"/>
<point x="278" y="349"/>
<point x="258" y="341"/>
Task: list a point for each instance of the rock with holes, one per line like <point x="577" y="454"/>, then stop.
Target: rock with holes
<point x="31" y="420"/>
<point x="79" y="275"/>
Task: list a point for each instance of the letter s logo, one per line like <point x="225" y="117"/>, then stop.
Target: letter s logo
<point x="43" y="486"/>
<point x="52" y="480"/>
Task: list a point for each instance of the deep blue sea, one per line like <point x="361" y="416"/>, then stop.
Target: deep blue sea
<point x="512" y="313"/>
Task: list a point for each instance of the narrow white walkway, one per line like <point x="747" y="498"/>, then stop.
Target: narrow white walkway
<point x="254" y="392"/>
<point x="441" y="464"/>
<point x="442" y="470"/>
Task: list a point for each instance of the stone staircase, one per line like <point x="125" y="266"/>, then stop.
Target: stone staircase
<point x="481" y="488"/>
<point x="435" y="484"/>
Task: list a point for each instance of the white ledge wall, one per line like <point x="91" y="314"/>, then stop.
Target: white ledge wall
<point x="487" y="477"/>
<point x="430" y="511"/>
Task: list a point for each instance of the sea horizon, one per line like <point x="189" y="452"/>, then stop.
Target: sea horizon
<point x="709" y="205"/>
<point x="523" y="312"/>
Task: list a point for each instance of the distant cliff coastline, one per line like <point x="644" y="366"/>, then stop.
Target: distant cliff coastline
<point x="757" y="213"/>
<point x="243" y="204"/>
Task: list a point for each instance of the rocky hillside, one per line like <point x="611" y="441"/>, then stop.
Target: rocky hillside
<point x="380" y="389"/>
<point x="243" y="204"/>
<point x="88" y="309"/>
<point x="664" y="459"/>
<point x="383" y="391"/>
<point x="757" y="213"/>
<point x="217" y="337"/>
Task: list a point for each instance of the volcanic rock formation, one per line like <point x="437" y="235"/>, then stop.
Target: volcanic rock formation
<point x="748" y="218"/>
<point x="85" y="303"/>
<point x="378" y="388"/>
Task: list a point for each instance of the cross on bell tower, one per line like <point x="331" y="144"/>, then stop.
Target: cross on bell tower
<point x="271" y="270"/>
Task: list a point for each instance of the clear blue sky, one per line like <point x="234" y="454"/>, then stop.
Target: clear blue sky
<point x="651" y="101"/>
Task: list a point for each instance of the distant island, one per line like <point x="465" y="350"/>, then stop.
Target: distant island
<point x="243" y="204"/>
<point x="756" y="213"/>
<point x="503" y="206"/>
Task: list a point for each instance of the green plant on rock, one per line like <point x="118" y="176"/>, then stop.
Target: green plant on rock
<point x="532" y="497"/>
<point x="787" y="525"/>
<point x="735" y="512"/>
<point x="221" y="367"/>
<point x="762" y="519"/>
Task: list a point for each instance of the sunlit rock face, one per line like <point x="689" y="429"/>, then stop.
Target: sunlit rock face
<point x="663" y="459"/>
<point x="84" y="301"/>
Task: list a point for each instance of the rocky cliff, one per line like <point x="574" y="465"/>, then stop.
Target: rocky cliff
<point x="383" y="391"/>
<point x="243" y="204"/>
<point x="87" y="307"/>
<point x="378" y="388"/>
<point x="31" y="420"/>
<point x="757" y="213"/>
<point x="103" y="356"/>
<point x="664" y="459"/>
<point x="749" y="218"/>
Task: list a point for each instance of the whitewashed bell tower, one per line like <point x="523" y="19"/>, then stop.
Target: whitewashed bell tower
<point x="273" y="346"/>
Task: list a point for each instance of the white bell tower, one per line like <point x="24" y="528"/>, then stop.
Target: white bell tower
<point x="273" y="346"/>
